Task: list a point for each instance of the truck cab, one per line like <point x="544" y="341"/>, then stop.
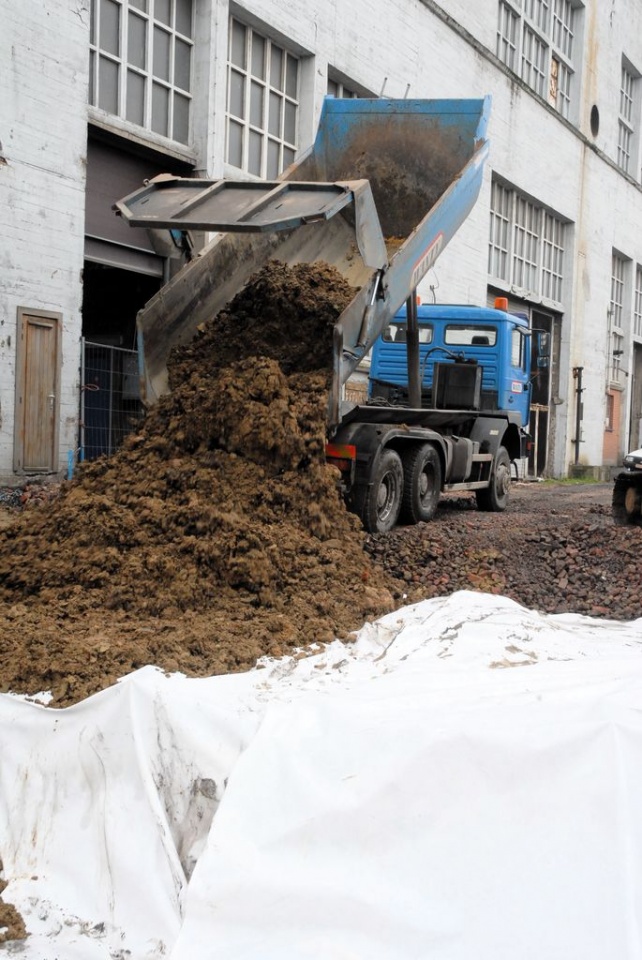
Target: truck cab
<point x="491" y="338"/>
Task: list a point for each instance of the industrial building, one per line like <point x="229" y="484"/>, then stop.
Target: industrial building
<point x="97" y="96"/>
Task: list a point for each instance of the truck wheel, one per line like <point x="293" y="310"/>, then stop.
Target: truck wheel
<point x="379" y="504"/>
<point x="495" y="497"/>
<point x="627" y="501"/>
<point x="421" y="484"/>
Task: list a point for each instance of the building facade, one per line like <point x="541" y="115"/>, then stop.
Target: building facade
<point x="97" y="96"/>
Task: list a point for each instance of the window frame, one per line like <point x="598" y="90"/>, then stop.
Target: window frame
<point x="250" y="118"/>
<point x="535" y="39"/>
<point x="628" y="118"/>
<point x="620" y="266"/>
<point x="637" y="304"/>
<point x="526" y="246"/>
<point x="165" y="107"/>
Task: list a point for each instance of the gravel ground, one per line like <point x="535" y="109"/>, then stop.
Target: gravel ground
<point x="555" y="550"/>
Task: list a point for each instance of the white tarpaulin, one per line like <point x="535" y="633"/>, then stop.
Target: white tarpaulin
<point x="464" y="781"/>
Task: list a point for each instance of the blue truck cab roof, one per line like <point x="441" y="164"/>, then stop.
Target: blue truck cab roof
<point x="455" y="312"/>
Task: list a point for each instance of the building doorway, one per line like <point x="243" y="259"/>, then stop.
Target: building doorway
<point x="540" y="425"/>
<point x="110" y="403"/>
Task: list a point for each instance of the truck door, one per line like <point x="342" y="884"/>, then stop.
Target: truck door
<point x="516" y="374"/>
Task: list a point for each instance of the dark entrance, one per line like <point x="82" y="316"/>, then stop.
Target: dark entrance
<point x="110" y="396"/>
<point x="540" y="394"/>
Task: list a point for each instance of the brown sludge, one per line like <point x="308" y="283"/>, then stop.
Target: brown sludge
<point x="217" y="534"/>
<point x="12" y="926"/>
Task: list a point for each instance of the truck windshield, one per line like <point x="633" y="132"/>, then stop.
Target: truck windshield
<point x="396" y="333"/>
<point x="470" y="335"/>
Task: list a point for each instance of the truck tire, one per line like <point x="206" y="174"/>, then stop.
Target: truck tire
<point x="495" y="497"/>
<point x="627" y="501"/>
<point x="379" y="503"/>
<point x="421" y="483"/>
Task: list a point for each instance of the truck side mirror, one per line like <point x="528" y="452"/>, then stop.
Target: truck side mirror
<point x="543" y="349"/>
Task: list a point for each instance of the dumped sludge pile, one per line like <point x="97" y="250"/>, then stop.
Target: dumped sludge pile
<point x="217" y="534"/>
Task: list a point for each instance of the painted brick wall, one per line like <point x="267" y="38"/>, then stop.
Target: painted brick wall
<point x="43" y="130"/>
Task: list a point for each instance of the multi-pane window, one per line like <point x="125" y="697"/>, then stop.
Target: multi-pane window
<point x="141" y="55"/>
<point x="609" y="420"/>
<point x="628" y="83"/>
<point x="507" y="35"/>
<point x="535" y="39"/>
<point x="340" y="90"/>
<point x="616" y="314"/>
<point x="637" y="310"/>
<point x="538" y="11"/>
<point x="552" y="257"/>
<point x="262" y="103"/>
<point x="500" y="216"/>
<point x="563" y="15"/>
<point x="559" y="93"/>
<point x="526" y="245"/>
<point x="534" y="61"/>
<point x="618" y="266"/>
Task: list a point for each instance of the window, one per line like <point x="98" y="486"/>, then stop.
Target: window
<point x="618" y="265"/>
<point x="534" y="61"/>
<point x="340" y="90"/>
<point x="346" y="90"/>
<point x="626" y="120"/>
<point x="500" y="212"/>
<point x="552" y="257"/>
<point x="526" y="245"/>
<point x="637" y="311"/>
<point x="396" y="333"/>
<point x="507" y="35"/>
<point x="262" y="103"/>
<point x="517" y="352"/>
<point x="141" y="62"/>
<point x="466" y="336"/>
<point x="610" y="412"/>
<point x="535" y="38"/>
<point x="617" y="315"/>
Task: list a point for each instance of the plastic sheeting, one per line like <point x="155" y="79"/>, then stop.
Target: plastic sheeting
<point x="462" y="781"/>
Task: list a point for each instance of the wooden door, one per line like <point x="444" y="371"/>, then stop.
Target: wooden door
<point x="37" y="391"/>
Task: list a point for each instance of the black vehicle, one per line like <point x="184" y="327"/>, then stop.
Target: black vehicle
<point x="627" y="491"/>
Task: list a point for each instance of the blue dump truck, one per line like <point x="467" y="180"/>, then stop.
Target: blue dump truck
<point x="384" y="187"/>
<point x="473" y="392"/>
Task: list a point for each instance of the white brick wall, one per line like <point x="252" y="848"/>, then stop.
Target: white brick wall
<point x="43" y="130"/>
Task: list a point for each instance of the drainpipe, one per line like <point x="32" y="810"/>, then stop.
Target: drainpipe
<point x="579" y="410"/>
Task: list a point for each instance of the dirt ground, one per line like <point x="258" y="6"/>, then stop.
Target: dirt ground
<point x="217" y="534"/>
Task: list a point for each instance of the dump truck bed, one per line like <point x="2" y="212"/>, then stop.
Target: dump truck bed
<point x="383" y="189"/>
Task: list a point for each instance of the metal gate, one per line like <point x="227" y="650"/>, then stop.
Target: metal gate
<point x="110" y="404"/>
